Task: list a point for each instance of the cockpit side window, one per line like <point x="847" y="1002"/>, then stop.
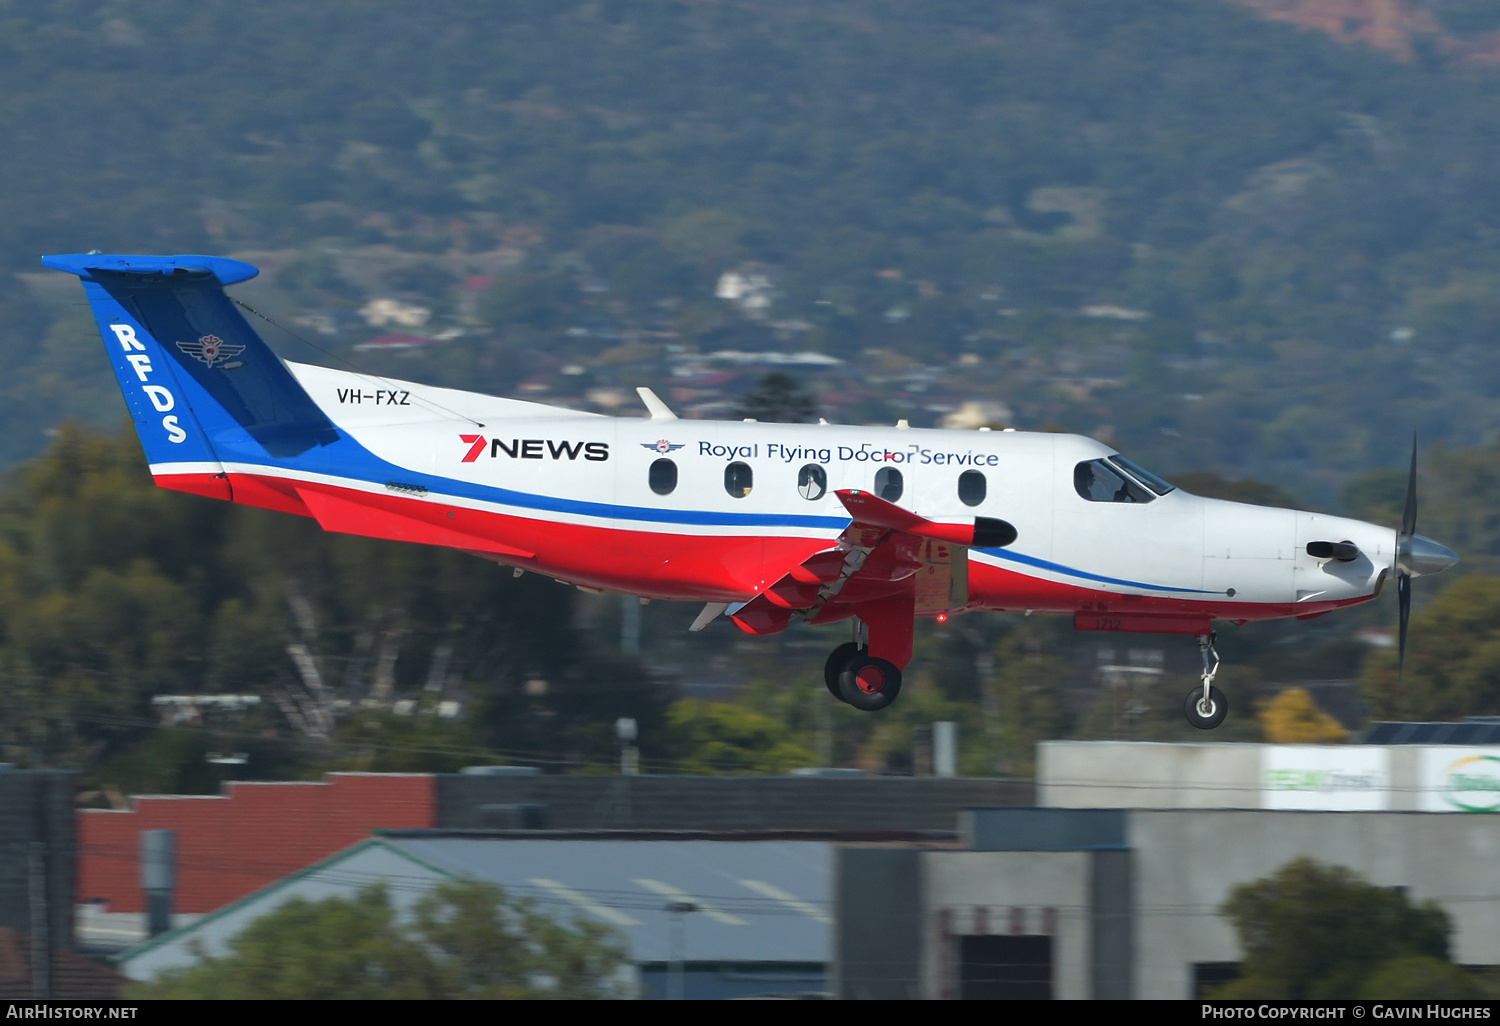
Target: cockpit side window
<point x="1141" y="474"/>
<point x="1098" y="481"/>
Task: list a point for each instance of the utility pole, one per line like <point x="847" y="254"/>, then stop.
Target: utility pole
<point x="676" y="975"/>
<point x="630" y="625"/>
<point x="824" y="725"/>
<point x="945" y="749"/>
<point x="40" y="912"/>
<point x="630" y="755"/>
<point x="158" y="855"/>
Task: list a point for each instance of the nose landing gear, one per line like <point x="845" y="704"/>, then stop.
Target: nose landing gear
<point x="1206" y="705"/>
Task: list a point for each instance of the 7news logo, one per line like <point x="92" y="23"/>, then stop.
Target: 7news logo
<point x="534" y="449"/>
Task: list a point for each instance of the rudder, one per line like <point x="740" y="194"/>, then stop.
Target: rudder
<point x="202" y="387"/>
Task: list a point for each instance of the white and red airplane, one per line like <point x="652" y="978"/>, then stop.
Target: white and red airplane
<point x="765" y="523"/>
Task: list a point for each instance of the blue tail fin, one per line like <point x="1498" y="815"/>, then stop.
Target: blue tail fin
<point x="201" y="385"/>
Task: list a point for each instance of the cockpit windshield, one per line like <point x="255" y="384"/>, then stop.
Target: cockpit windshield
<point x="1101" y="481"/>
<point x="1141" y="474"/>
<point x="1116" y="479"/>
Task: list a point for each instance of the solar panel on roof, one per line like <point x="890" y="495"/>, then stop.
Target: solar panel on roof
<point x="1465" y="733"/>
<point x="1473" y="730"/>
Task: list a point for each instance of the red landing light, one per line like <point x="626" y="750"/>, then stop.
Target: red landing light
<point x="942" y="618"/>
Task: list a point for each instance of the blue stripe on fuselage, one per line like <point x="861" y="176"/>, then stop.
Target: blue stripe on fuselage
<point x="1044" y="564"/>
<point x="347" y="458"/>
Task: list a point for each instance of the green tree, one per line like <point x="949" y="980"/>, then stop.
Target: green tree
<point x="1257" y="493"/>
<point x="778" y="398"/>
<point x="489" y="946"/>
<point x="717" y="738"/>
<point x="380" y="741"/>
<point x="465" y="939"/>
<point x="1030" y="697"/>
<point x="1460" y="502"/>
<point x="350" y="948"/>
<point x="1420" y="977"/>
<point x="1452" y="658"/>
<point x="113" y="591"/>
<point x="1316" y="932"/>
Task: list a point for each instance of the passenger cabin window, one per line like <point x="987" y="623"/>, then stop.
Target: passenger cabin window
<point x="888" y="484"/>
<point x="812" y="482"/>
<point x="971" y="487"/>
<point x="1099" y="481"/>
<point x="738" y="479"/>
<point x="662" y="477"/>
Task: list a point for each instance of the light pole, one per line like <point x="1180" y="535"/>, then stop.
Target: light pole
<point x="630" y="758"/>
<point x="677" y="944"/>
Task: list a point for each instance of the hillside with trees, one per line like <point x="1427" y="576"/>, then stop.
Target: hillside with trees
<point x="1228" y="243"/>
<point x="1256" y="253"/>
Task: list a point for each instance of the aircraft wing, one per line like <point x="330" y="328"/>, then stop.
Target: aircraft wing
<point x="887" y="566"/>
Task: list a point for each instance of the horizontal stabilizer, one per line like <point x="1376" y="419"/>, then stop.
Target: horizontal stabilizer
<point x="181" y="268"/>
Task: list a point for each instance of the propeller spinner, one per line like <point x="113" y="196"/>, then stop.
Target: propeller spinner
<point x="1416" y="555"/>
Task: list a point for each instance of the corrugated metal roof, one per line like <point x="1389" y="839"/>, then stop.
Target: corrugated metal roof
<point x="755" y="901"/>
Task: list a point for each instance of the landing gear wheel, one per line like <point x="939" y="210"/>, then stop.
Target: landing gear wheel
<point x="837" y="660"/>
<point x="869" y="683"/>
<point x="1206" y="715"/>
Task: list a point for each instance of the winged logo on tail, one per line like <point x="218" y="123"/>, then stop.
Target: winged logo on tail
<point x="211" y="350"/>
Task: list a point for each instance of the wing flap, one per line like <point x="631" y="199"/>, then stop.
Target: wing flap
<point x="888" y="565"/>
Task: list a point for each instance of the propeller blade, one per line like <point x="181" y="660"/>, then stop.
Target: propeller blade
<point x="1409" y="517"/>
<point x="1403" y="598"/>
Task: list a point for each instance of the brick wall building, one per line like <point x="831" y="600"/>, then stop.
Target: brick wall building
<point x="255" y="833"/>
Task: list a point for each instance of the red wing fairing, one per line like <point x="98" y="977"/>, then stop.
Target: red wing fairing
<point x="889" y="566"/>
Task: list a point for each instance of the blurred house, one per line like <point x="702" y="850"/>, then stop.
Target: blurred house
<point x="974" y="413"/>
<point x="1112" y="888"/>
<point x="1124" y="903"/>
<point x="751" y="287"/>
<point x="1403" y="767"/>
<point x="742" y="917"/>
<point x="231" y="845"/>
<point x="378" y="313"/>
<point x="398" y="341"/>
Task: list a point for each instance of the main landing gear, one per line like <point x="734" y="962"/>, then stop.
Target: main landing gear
<point x="1206" y="705"/>
<point x="864" y="681"/>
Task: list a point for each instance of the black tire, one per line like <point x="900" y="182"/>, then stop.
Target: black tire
<point x="1206" y="716"/>
<point x="837" y="660"/>
<point x="869" y="683"/>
